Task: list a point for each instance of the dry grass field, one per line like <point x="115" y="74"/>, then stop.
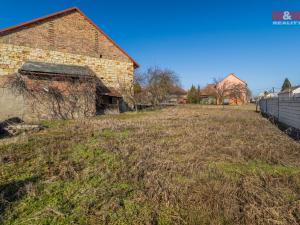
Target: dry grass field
<point x="179" y="165"/>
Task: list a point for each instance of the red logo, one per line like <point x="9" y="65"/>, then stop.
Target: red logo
<point x="286" y="15"/>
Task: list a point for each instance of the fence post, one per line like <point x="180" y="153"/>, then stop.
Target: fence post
<point x="278" y="109"/>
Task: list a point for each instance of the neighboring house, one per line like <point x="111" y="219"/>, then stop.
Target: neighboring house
<point x="234" y="90"/>
<point x="231" y="90"/>
<point x="260" y="96"/>
<point x="177" y="96"/>
<point x="62" y="40"/>
<point x="271" y="95"/>
<point x="208" y="94"/>
<point x="266" y="94"/>
<point x="291" y="92"/>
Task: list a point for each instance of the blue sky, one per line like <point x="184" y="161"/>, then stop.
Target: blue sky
<point x="200" y="40"/>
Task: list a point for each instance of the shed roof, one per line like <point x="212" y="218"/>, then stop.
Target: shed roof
<point x="109" y="91"/>
<point x="40" y="68"/>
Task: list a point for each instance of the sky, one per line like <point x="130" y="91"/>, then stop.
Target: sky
<point x="199" y="40"/>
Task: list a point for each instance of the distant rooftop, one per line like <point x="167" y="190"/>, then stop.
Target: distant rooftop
<point x="208" y="90"/>
<point x="291" y="89"/>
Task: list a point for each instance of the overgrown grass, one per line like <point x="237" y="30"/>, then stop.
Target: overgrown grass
<point x="55" y="123"/>
<point x="180" y="165"/>
<point x="256" y="167"/>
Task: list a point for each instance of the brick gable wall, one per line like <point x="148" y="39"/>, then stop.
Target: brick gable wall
<point x="69" y="33"/>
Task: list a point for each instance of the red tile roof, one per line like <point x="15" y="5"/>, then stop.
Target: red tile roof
<point x="62" y="12"/>
<point x="176" y="90"/>
<point x="210" y="89"/>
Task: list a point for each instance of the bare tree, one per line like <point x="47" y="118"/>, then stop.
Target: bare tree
<point x="15" y="83"/>
<point x="159" y="83"/>
<point x="152" y="87"/>
<point x="132" y="90"/>
<point x="237" y="92"/>
<point x="221" y="90"/>
<point x="248" y="93"/>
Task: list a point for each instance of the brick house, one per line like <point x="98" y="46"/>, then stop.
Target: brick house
<point x="66" y="38"/>
<point x="235" y="90"/>
<point x="208" y="94"/>
<point x="230" y="90"/>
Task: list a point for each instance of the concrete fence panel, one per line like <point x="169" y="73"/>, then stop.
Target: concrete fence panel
<point x="286" y="110"/>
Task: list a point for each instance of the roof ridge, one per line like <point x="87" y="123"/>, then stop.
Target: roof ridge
<point x="233" y="74"/>
<point x="38" y="19"/>
<point x="29" y="22"/>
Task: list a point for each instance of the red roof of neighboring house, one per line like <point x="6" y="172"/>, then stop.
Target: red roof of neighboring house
<point x="208" y="90"/>
<point x="176" y="90"/>
<point x="62" y="12"/>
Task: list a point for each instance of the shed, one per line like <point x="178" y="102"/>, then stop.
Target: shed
<point x="63" y="77"/>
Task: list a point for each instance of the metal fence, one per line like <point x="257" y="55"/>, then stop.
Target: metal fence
<point x="284" y="109"/>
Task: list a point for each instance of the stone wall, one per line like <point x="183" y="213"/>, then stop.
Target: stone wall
<point x="33" y="99"/>
<point x="11" y="105"/>
<point x="69" y="32"/>
<point x="110" y="72"/>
